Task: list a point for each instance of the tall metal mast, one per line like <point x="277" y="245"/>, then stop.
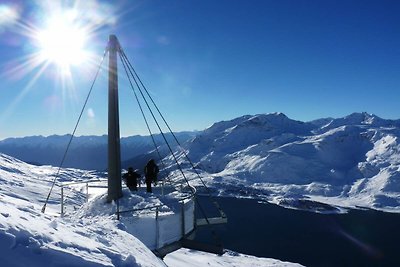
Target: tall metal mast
<point x="114" y="153"/>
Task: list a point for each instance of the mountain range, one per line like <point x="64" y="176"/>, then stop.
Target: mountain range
<point x="354" y="160"/>
<point x="85" y="152"/>
<point x="350" y="161"/>
<point x="272" y="147"/>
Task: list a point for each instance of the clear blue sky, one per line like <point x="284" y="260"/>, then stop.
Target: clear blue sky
<point x="206" y="61"/>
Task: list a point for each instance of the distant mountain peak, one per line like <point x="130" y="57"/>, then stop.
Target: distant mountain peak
<point x="359" y="118"/>
<point x="363" y="117"/>
<point x="269" y="116"/>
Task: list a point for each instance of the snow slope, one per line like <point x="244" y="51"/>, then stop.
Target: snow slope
<point x="351" y="161"/>
<point x="89" y="236"/>
<point x="31" y="238"/>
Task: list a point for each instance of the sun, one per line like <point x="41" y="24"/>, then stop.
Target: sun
<point x="56" y="40"/>
<point x="62" y="42"/>
<point x="62" y="36"/>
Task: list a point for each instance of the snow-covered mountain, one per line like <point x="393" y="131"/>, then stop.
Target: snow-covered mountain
<point x="86" y="152"/>
<point x="353" y="158"/>
<point x="215" y="146"/>
<point x="349" y="161"/>
<point x="89" y="236"/>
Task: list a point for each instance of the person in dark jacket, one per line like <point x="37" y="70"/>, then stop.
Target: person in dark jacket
<point x="150" y="171"/>
<point x="131" y="179"/>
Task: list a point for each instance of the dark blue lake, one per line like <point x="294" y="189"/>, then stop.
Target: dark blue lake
<point x="358" y="238"/>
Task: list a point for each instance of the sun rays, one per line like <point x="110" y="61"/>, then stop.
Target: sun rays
<point x="59" y="42"/>
<point x="62" y="42"/>
<point x="58" y="36"/>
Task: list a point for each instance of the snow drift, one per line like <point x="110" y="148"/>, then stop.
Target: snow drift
<point x="31" y="238"/>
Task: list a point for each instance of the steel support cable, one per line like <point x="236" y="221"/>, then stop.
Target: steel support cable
<point x="201" y="209"/>
<point x="166" y="123"/>
<point x="73" y="132"/>
<point x="213" y="232"/>
<point x="144" y="116"/>
<point x="176" y="161"/>
<point x="155" y="119"/>
<point x="176" y="140"/>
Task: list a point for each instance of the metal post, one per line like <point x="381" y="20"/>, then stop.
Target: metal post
<point x="87" y="192"/>
<point x="162" y="187"/>
<point x="183" y="217"/>
<point x="194" y="211"/>
<point x="118" y="209"/>
<point x="62" y="201"/>
<point x="157" y="230"/>
<point x="114" y="153"/>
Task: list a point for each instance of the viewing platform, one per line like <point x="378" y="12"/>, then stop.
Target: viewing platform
<point x="158" y="219"/>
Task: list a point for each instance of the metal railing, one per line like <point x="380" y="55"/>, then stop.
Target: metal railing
<point x="185" y="227"/>
<point x="87" y="186"/>
<point x="190" y="197"/>
<point x="185" y="204"/>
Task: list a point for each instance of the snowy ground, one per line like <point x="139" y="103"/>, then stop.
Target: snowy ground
<point x="186" y="257"/>
<point x="88" y="236"/>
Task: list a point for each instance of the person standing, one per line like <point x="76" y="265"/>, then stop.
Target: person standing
<point x="131" y="179"/>
<point x="150" y="171"/>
